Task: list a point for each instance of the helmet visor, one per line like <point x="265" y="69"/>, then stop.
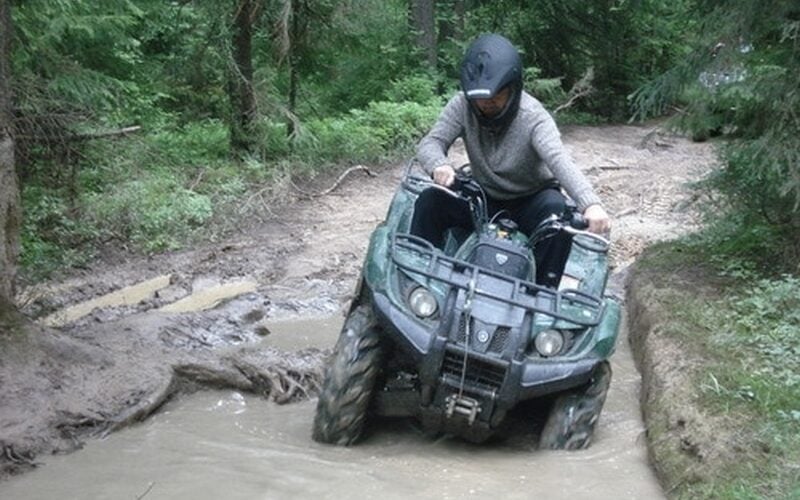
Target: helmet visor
<point x="492" y="107"/>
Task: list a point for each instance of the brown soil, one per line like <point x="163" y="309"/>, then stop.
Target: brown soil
<point x="59" y="387"/>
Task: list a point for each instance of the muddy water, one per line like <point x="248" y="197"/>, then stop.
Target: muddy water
<point x="210" y="296"/>
<point x="206" y="294"/>
<point x="125" y="296"/>
<point x="213" y="445"/>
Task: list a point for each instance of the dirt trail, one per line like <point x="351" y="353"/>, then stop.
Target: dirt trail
<point x="121" y="361"/>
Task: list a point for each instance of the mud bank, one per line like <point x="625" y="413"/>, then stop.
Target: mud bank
<point x="60" y="388"/>
<point x="704" y="440"/>
<point x="679" y="436"/>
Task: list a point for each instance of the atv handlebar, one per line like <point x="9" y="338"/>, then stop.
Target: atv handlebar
<point x="572" y="222"/>
<point x="466" y="188"/>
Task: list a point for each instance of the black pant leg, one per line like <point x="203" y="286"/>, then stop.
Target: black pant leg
<point x="551" y="254"/>
<point x="436" y="211"/>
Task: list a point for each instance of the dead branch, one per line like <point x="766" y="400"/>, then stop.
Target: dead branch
<point x="582" y="88"/>
<point x="613" y="167"/>
<point x="627" y="211"/>
<point x="82" y="137"/>
<point x="197" y="180"/>
<point x="149" y="487"/>
<point x="17" y="458"/>
<point x="294" y="386"/>
<point x="335" y="184"/>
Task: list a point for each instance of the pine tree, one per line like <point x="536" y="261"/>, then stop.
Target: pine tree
<point x="743" y="80"/>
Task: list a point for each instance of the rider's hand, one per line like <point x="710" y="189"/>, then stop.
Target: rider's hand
<point x="444" y="175"/>
<point x="598" y="219"/>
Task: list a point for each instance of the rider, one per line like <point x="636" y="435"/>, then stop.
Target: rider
<point x="515" y="153"/>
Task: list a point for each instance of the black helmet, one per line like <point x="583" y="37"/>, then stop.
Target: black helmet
<point x="490" y="64"/>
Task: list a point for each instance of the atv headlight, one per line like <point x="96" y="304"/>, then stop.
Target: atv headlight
<point x="549" y="342"/>
<point x="422" y="302"/>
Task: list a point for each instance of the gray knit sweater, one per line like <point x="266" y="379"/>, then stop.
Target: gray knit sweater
<point x="513" y="163"/>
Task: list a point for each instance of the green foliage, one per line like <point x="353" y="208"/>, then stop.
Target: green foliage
<point x="552" y="94"/>
<point x="398" y="125"/>
<point x="335" y="139"/>
<point x="344" y="74"/>
<point x="548" y="90"/>
<point x="767" y="318"/>
<point x="736" y="242"/>
<point x="763" y="321"/>
<point x="81" y="53"/>
<point x="184" y="51"/>
<point x="154" y="213"/>
<point x="624" y="42"/>
<point x="193" y="144"/>
<point x="741" y="81"/>
<point x="51" y="239"/>
<point x="357" y="55"/>
<point x="365" y="135"/>
<point x="416" y="88"/>
<point x="756" y="376"/>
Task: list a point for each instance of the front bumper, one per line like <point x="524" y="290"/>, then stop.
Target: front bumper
<point x="501" y="381"/>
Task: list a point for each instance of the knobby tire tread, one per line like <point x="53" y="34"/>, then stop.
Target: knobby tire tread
<point x="571" y="423"/>
<point x="349" y="381"/>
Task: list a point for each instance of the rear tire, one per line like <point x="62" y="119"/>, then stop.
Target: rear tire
<point x="571" y="423"/>
<point x="349" y="381"/>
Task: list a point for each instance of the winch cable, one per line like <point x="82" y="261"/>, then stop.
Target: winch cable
<point x="467" y="336"/>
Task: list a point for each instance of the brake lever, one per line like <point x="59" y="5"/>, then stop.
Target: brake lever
<point x="571" y="230"/>
<point x="446" y="189"/>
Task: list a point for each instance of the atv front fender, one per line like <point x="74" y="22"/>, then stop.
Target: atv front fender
<point x="404" y="329"/>
<point x="540" y="378"/>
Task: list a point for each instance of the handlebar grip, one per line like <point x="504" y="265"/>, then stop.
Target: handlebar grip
<point x="578" y="221"/>
<point x="461" y="181"/>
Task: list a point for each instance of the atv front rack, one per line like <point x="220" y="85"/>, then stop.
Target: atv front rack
<point x="415" y="255"/>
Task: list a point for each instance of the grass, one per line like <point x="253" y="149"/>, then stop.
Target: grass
<point x="742" y="331"/>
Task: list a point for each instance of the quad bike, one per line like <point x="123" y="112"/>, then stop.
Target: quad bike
<point x="458" y="337"/>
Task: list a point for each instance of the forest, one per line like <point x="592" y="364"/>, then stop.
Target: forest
<point x="144" y="123"/>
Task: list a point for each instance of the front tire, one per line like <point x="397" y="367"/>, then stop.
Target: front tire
<point x="571" y="423"/>
<point x="349" y="381"/>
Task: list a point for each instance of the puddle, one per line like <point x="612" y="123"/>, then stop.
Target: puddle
<point x="127" y="296"/>
<point x="223" y="444"/>
<point x="207" y="294"/>
<point x="209" y="297"/>
<point x="292" y="335"/>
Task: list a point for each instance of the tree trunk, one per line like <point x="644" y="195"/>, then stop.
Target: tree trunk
<point x="451" y="25"/>
<point x="9" y="191"/>
<point x="294" y="76"/>
<point x="423" y="22"/>
<point x="242" y="94"/>
<point x="460" y="9"/>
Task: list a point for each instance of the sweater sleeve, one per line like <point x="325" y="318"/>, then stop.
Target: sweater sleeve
<point x="432" y="149"/>
<point x="546" y="140"/>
